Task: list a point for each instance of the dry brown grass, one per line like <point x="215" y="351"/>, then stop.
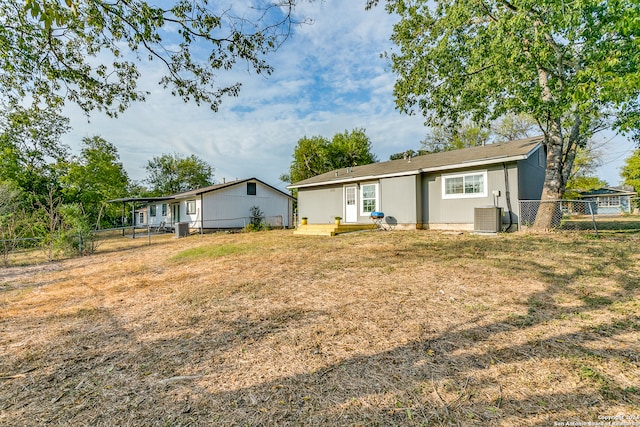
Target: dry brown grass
<point x="386" y="328"/>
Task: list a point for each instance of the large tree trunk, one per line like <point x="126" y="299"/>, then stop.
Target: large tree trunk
<point x="550" y="212"/>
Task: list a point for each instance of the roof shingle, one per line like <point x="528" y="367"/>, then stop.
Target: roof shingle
<point x="482" y="155"/>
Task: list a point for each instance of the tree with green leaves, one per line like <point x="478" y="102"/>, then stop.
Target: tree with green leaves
<point x="175" y="173"/>
<point x="631" y="172"/>
<point x="310" y="158"/>
<point x="407" y="154"/>
<point x="574" y="67"/>
<point x="440" y="138"/>
<point x="447" y="138"/>
<point x="94" y="178"/>
<point x="13" y="218"/>
<point x="316" y="155"/>
<point x="30" y="147"/>
<point x="583" y="176"/>
<point x="88" y="52"/>
<point x="511" y="127"/>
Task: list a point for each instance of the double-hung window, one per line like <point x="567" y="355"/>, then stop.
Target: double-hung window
<point x="152" y="210"/>
<point x="164" y="209"/>
<point x="191" y="207"/>
<point x="464" y="185"/>
<point x="369" y="197"/>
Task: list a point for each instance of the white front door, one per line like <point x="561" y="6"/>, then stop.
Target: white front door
<point x="350" y="204"/>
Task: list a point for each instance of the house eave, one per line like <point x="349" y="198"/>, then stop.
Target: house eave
<point x="475" y="163"/>
<point x="348" y="180"/>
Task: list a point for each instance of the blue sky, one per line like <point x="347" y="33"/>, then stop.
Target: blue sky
<point x="328" y="78"/>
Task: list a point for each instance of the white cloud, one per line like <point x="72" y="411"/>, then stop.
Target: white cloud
<point x="328" y="78"/>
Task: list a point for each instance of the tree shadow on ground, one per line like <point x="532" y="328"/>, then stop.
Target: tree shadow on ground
<point x="513" y="370"/>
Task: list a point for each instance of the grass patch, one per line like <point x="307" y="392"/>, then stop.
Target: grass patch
<point x="206" y="252"/>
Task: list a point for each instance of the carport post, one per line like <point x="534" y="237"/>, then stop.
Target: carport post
<point x="133" y="222"/>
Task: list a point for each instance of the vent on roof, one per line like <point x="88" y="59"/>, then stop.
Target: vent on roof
<point x="487" y="219"/>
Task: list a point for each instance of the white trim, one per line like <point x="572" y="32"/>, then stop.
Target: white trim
<point x="482" y="162"/>
<point x="463" y="165"/>
<point x="484" y="193"/>
<point x="354" y="210"/>
<point x="377" y="197"/>
<point x="600" y="201"/>
<point x="350" y="180"/>
<point x="195" y="207"/>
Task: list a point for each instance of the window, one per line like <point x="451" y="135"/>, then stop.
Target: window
<point x="369" y="197"/>
<point x="141" y="218"/>
<point x="152" y="210"/>
<point x="191" y="207"/>
<point x="164" y="209"/>
<point x="609" y="201"/>
<point x="251" y="188"/>
<point x="461" y="186"/>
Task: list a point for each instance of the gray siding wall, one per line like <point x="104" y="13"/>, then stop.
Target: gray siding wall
<point x="399" y="200"/>
<point x="531" y="176"/>
<point x="320" y="205"/>
<point x="437" y="210"/>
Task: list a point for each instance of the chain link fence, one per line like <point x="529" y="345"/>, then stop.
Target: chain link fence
<point x="61" y="245"/>
<point x="575" y="215"/>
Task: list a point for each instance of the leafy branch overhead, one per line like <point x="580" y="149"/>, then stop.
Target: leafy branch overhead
<point x="573" y="66"/>
<point x="89" y="51"/>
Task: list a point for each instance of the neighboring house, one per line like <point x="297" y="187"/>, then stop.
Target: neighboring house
<point x="140" y="216"/>
<point x="611" y="200"/>
<point x="435" y="191"/>
<point x="220" y="206"/>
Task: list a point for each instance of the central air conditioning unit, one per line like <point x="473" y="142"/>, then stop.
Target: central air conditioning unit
<point x="487" y="219"/>
<point x="182" y="229"/>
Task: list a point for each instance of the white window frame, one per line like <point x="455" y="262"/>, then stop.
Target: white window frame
<point x="152" y="210"/>
<point x="464" y="177"/>
<point x="189" y="211"/>
<point x="376" y="198"/>
<point x="605" y="202"/>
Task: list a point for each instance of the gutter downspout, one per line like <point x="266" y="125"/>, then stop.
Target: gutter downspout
<point x="507" y="195"/>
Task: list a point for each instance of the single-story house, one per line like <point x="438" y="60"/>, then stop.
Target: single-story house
<point x="140" y="216"/>
<point x="434" y="191"/>
<point x="220" y="206"/>
<point x="611" y="200"/>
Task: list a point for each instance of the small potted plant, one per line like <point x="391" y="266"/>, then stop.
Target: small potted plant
<point x="304" y="220"/>
<point x="338" y="218"/>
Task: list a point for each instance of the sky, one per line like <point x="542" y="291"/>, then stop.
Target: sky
<point x="329" y="77"/>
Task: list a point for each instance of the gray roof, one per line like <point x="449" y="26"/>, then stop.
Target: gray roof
<point x="197" y="192"/>
<point x="215" y="187"/>
<point x="456" y="159"/>
<point x="606" y="191"/>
